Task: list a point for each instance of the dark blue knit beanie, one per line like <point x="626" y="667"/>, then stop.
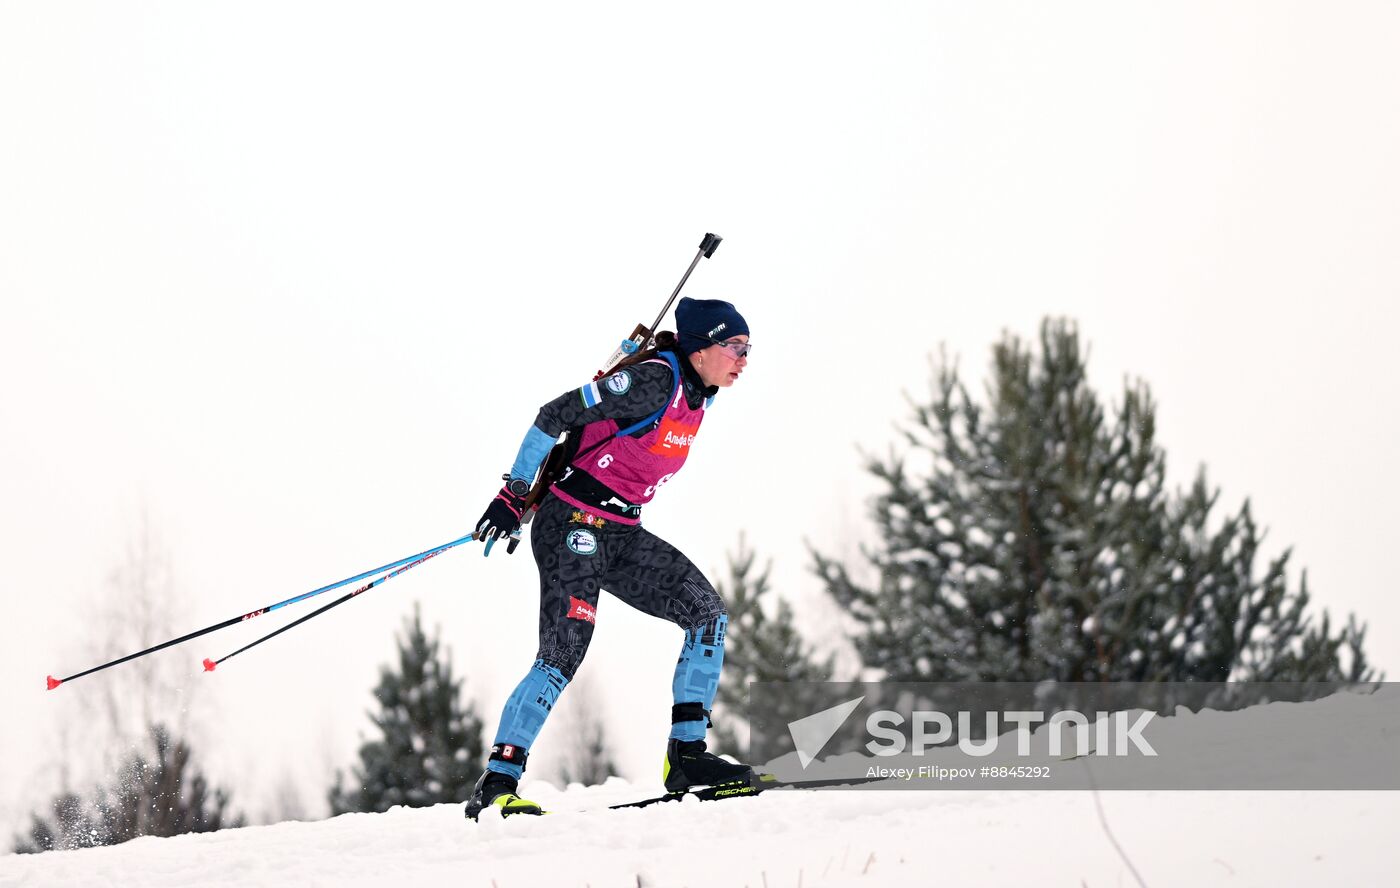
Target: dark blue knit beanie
<point x="699" y="322"/>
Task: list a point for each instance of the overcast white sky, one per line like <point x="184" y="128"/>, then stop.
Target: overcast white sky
<point x="293" y="278"/>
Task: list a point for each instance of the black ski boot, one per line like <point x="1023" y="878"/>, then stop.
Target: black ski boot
<point x="495" y="788"/>
<point x="688" y="765"/>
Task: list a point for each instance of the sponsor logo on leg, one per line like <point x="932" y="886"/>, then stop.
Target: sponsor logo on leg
<point x="582" y="610"/>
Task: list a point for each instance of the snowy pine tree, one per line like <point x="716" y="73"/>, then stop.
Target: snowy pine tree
<point x="588" y="761"/>
<point x="586" y="757"/>
<point x="1033" y="538"/>
<point x="159" y="796"/>
<point x="759" y="645"/>
<point x="429" y="748"/>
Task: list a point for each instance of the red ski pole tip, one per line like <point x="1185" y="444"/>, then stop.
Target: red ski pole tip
<point x="54" y="682"/>
<point x="209" y="665"/>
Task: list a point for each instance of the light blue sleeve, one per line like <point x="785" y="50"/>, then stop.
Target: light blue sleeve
<point x="533" y="450"/>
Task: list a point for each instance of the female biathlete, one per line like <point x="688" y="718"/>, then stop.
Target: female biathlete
<point x="634" y="430"/>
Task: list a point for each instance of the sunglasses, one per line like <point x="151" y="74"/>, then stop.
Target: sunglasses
<point x="734" y="347"/>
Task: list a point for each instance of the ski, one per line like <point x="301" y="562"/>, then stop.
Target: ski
<point x="744" y="789"/>
<point x="759" y="783"/>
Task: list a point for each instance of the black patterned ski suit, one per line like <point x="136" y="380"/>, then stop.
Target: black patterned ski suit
<point x="587" y="537"/>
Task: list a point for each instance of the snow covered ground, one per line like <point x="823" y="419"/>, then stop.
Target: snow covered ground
<point x="847" y="837"/>
<point x="784" y="840"/>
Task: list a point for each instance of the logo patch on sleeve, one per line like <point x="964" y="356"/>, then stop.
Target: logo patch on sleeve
<point x="619" y="382"/>
<point x="581" y="542"/>
<point x="582" y="610"/>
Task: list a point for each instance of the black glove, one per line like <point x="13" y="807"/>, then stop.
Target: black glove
<point x="502" y="517"/>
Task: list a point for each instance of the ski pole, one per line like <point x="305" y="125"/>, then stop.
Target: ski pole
<point x="210" y="664"/>
<point x="55" y="682"/>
